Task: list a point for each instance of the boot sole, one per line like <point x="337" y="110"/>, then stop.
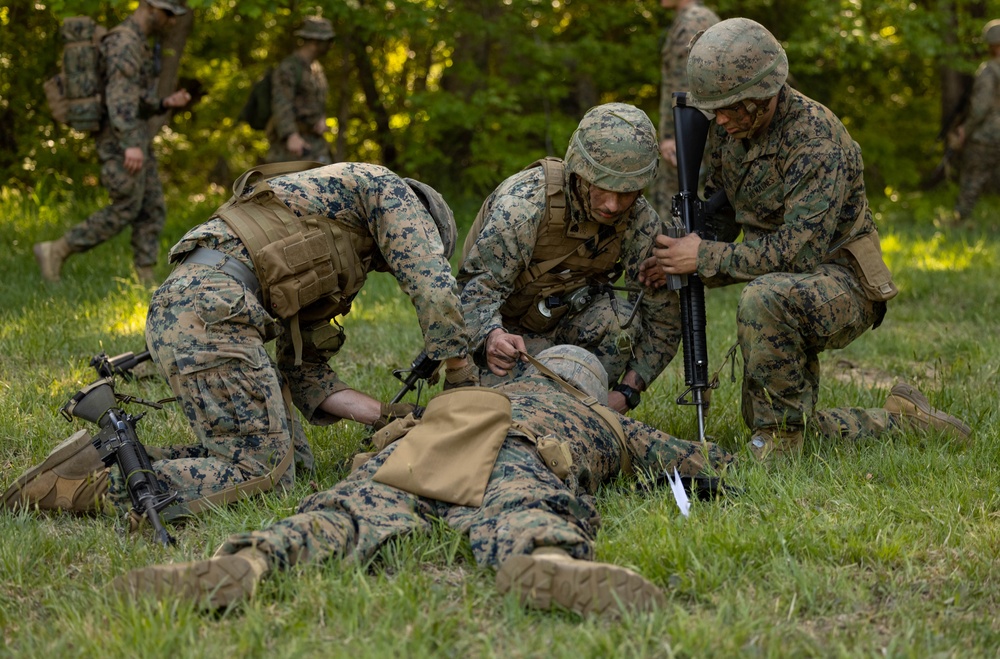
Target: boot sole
<point x="580" y="586"/>
<point x="210" y="584"/>
<point x="910" y="401"/>
<point x="68" y="448"/>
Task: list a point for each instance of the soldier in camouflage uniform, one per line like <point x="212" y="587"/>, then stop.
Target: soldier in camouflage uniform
<point x="537" y="528"/>
<point x="298" y="127"/>
<point x="281" y="260"/>
<point x="810" y="251"/>
<point x="547" y="242"/>
<point x="979" y="135"/>
<point x="124" y="146"/>
<point x="692" y="17"/>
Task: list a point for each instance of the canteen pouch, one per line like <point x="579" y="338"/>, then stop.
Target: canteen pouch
<point x="874" y="275"/>
<point x="556" y="455"/>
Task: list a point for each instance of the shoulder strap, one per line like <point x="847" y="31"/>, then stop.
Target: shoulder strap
<point x="609" y="416"/>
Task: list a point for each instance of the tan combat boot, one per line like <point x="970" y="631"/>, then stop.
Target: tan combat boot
<point x="213" y="583"/>
<point x="50" y="256"/>
<point x="550" y="577"/>
<point x="72" y="478"/>
<point x="775" y="442"/>
<point x="912" y="410"/>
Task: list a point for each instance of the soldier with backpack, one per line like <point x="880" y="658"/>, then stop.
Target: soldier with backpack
<point x="298" y="98"/>
<point x="548" y="244"/>
<point x="124" y="145"/>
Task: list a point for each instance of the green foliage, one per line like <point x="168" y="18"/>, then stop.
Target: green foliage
<point x="464" y="92"/>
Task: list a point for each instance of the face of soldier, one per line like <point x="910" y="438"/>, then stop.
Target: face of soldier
<point x="607" y="206"/>
<point x="746" y="118"/>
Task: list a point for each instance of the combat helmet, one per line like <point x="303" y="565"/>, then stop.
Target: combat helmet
<point x="578" y="366"/>
<point x="732" y="61"/>
<point x="315" y="28"/>
<point x="614" y="148"/>
<point x="439" y="210"/>
<point x="175" y="8"/>
<point x="991" y="33"/>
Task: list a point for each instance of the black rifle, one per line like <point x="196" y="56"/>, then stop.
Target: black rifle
<point x="691" y="130"/>
<point x="122" y="364"/>
<point x="117" y="443"/>
<point x="421" y="370"/>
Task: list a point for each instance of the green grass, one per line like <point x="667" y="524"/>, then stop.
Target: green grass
<point x="885" y="548"/>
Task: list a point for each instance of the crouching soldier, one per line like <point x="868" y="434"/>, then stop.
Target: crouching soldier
<point x="282" y="259"/>
<point x="531" y="451"/>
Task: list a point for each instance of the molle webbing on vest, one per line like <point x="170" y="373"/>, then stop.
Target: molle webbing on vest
<point x="577" y="252"/>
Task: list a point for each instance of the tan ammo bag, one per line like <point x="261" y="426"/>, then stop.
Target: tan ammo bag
<point x="872" y="272"/>
<point x="449" y="455"/>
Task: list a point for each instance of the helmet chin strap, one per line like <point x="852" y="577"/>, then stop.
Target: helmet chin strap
<point x="758" y="112"/>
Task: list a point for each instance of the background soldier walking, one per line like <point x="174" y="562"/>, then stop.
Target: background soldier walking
<point x="124" y="146"/>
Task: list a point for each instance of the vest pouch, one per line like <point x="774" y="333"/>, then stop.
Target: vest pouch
<point x="297" y="271"/>
<point x="556" y="455"/>
<point x="868" y="265"/>
<point x="449" y="455"/>
<point x="540" y="317"/>
<point x="326" y="336"/>
<point x="84" y="114"/>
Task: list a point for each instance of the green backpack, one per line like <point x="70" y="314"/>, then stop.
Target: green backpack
<point x="257" y="110"/>
<point x="75" y="94"/>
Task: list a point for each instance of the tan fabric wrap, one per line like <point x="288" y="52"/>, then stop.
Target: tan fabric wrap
<point x="249" y="487"/>
<point x="610" y="416"/>
<point x="450" y="454"/>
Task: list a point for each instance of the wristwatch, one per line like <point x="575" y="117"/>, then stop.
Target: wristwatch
<point x="632" y="396"/>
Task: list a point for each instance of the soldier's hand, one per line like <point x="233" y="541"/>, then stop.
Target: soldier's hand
<point x="178" y="99"/>
<point x="677" y="256"/>
<point x="134" y="159"/>
<point x="462" y="374"/>
<point x="650" y="273"/>
<point x="392" y="411"/>
<point x="320" y="127"/>
<point x="296" y="145"/>
<point x="668" y="149"/>
<point x="503" y="350"/>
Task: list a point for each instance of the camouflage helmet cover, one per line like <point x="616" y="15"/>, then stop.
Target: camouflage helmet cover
<point x="578" y="366"/>
<point x="614" y="148"/>
<point x="732" y="61"/>
<point x="315" y="28"/>
<point x="991" y="33"/>
<point x="439" y="210"/>
<point x="175" y="8"/>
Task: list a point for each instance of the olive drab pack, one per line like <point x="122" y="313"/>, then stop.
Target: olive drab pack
<point x="256" y="111"/>
<point x="75" y="94"/>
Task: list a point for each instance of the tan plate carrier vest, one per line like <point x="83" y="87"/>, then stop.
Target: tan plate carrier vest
<point x="558" y="243"/>
<point x="309" y="268"/>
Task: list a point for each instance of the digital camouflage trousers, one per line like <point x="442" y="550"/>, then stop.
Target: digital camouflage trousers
<point x="784" y="321"/>
<point x="136" y="201"/>
<point x="525" y="507"/>
<point x="206" y="334"/>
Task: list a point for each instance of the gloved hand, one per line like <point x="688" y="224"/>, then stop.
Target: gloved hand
<point x="389" y="412"/>
<point x="466" y="376"/>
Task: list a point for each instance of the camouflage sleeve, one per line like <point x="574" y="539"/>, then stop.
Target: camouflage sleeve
<point x="813" y="187"/>
<point x="127" y="92"/>
<point x="501" y="252"/>
<point x="659" y="311"/>
<point x="983" y="101"/>
<point x="411" y="246"/>
<point x="283" y="83"/>
<point x="655" y="452"/>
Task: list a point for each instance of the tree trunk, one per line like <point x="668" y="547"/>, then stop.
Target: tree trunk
<point x="173" y="46"/>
